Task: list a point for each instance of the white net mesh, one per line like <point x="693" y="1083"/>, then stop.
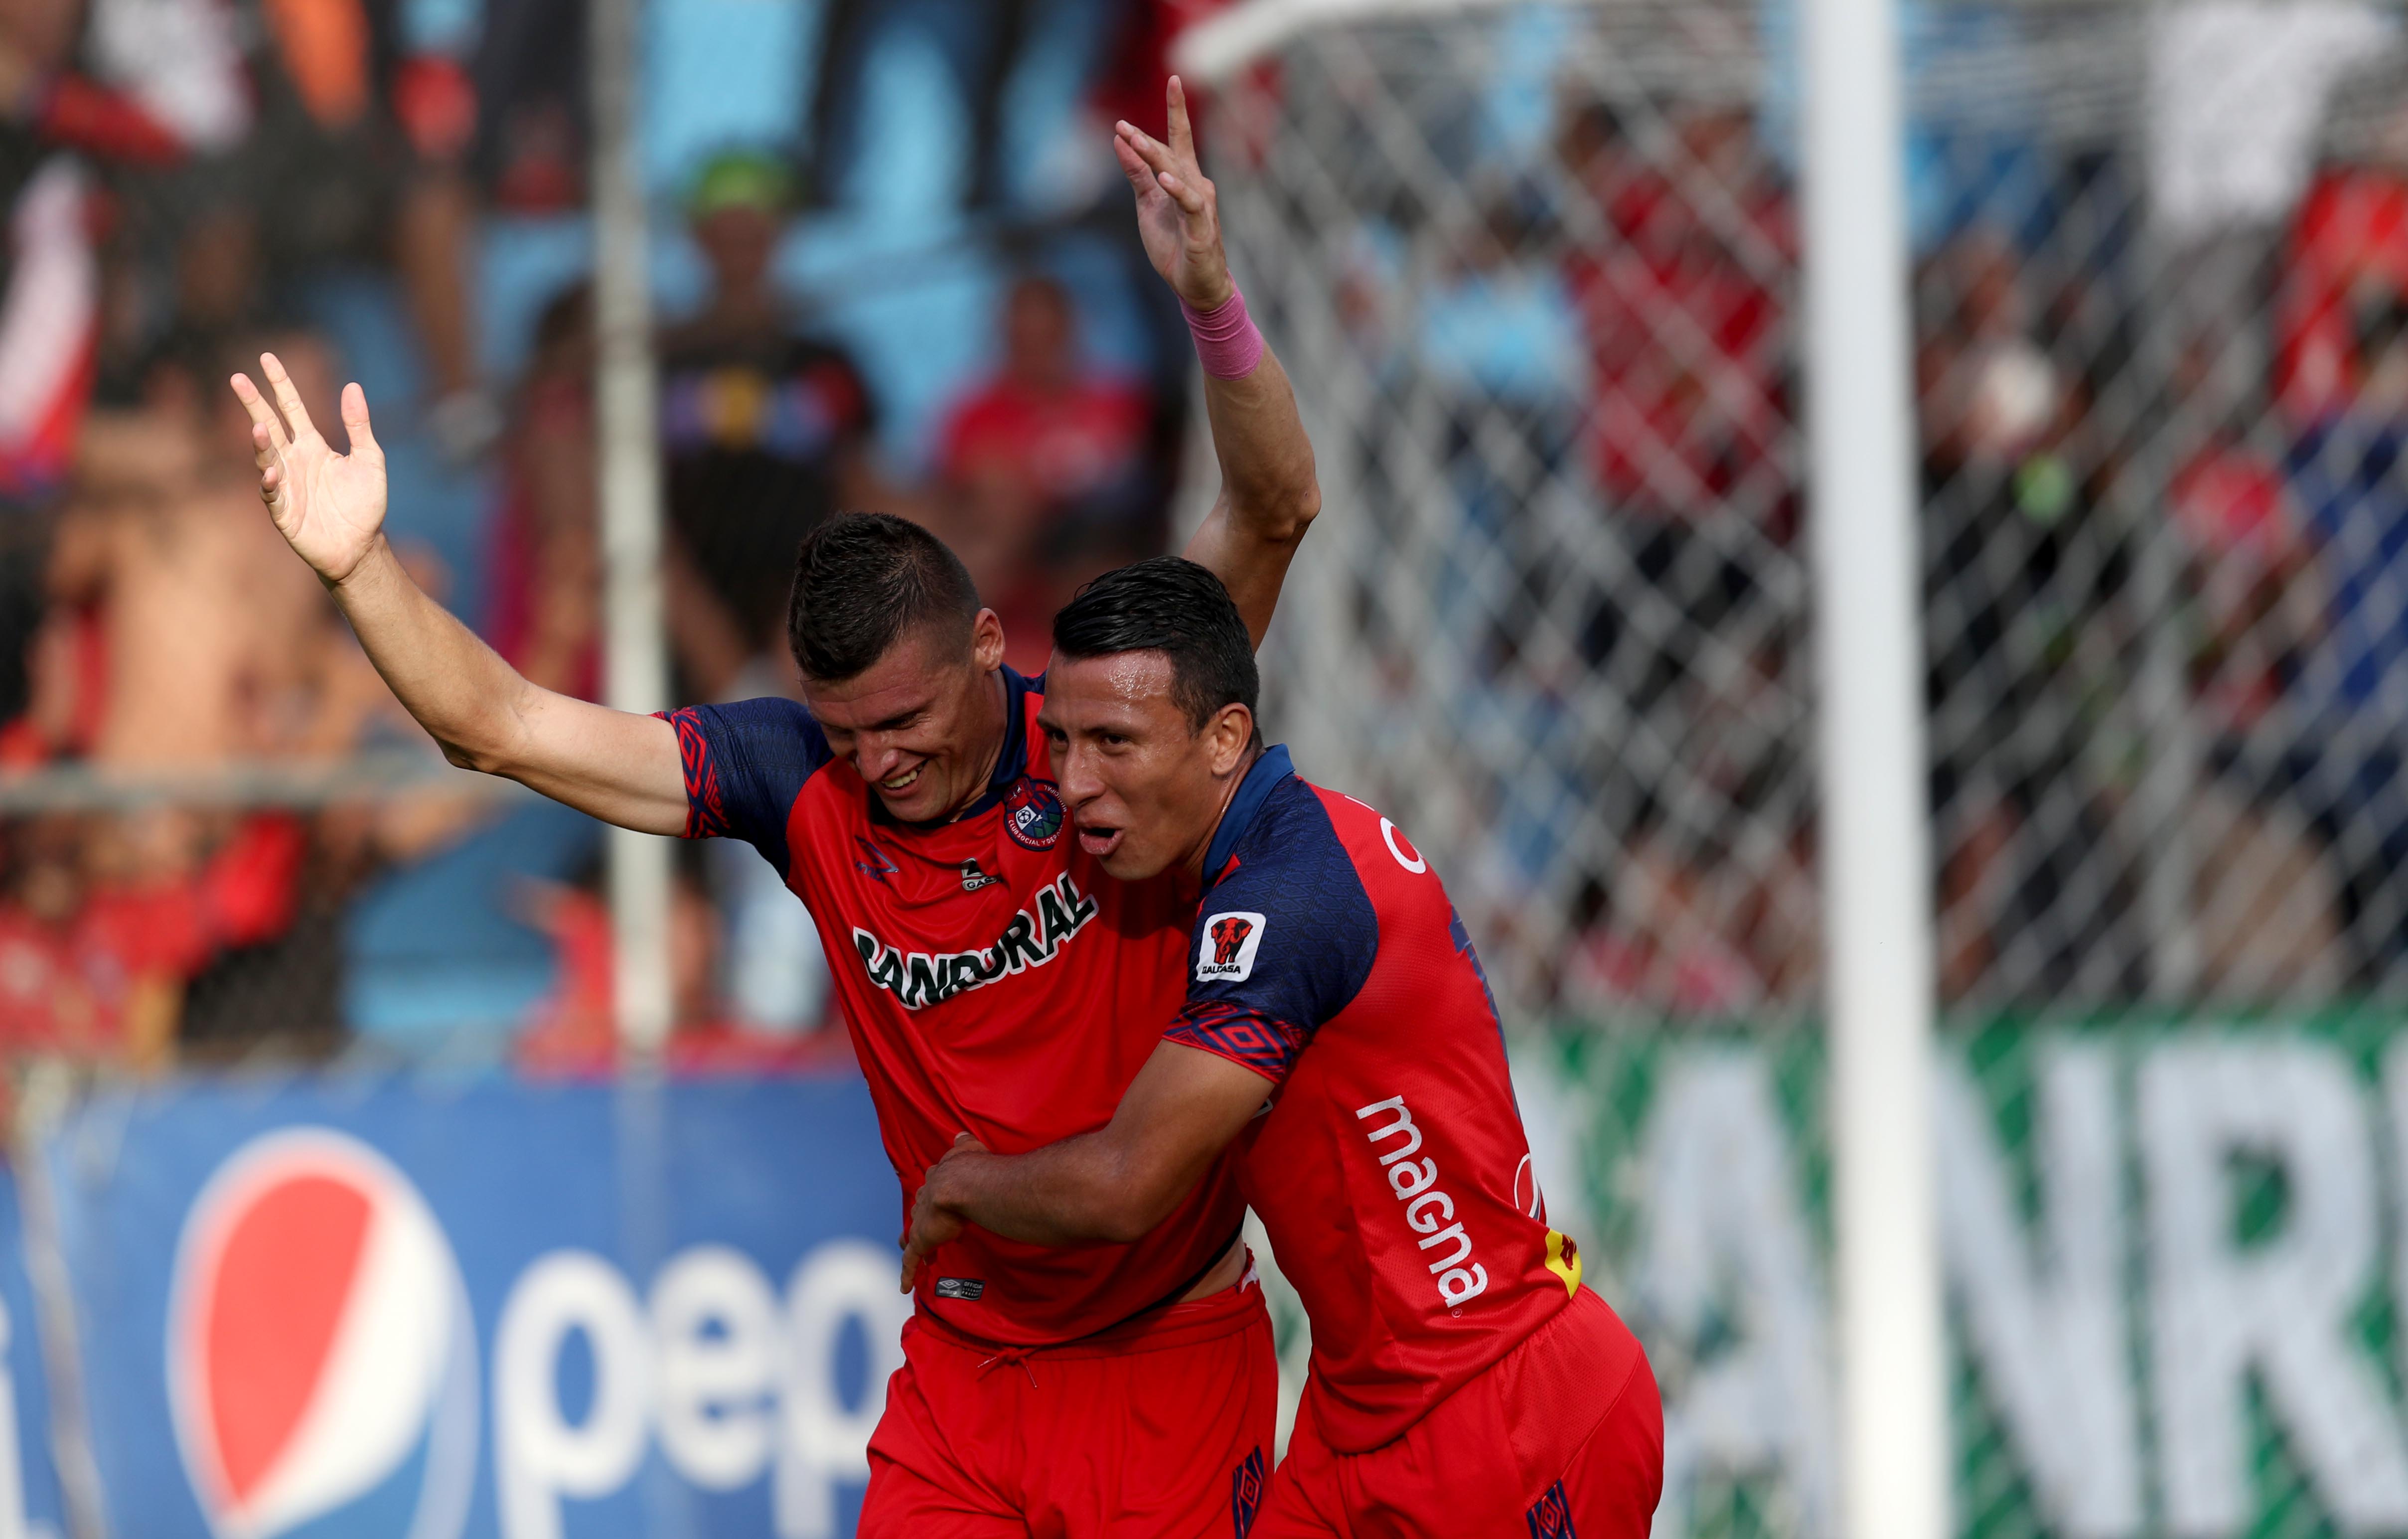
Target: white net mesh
<point x="1534" y="268"/>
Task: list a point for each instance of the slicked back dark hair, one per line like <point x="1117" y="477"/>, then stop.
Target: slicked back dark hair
<point x="862" y="583"/>
<point x="1172" y="606"/>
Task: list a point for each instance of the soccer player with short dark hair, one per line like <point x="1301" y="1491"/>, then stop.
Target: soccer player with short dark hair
<point x="1338" y="1032"/>
<point x="992" y="975"/>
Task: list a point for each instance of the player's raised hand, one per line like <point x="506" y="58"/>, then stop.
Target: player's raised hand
<point x="1178" y="211"/>
<point x="327" y="506"/>
<point x="932" y="1224"/>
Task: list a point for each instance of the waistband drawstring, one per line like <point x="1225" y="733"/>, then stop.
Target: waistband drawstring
<point x="1011" y="1357"/>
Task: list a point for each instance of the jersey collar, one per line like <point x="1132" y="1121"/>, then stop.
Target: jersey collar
<point x="1253" y="791"/>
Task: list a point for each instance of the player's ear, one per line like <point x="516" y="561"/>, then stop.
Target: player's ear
<point x="1227" y="735"/>
<point x="986" y="641"/>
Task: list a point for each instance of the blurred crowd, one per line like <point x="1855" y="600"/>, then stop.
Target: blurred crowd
<point x="895" y="269"/>
<point x="2161" y="378"/>
<point x="2161" y="374"/>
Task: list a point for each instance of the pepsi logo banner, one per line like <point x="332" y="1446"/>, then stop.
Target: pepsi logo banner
<point x="499" y="1313"/>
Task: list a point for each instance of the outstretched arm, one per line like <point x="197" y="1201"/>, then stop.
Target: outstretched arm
<point x="1112" y="1185"/>
<point x="1268" y="490"/>
<point x="621" y="767"/>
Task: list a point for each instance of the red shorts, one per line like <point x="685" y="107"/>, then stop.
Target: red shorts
<point x="1561" y="1438"/>
<point x="1162" y="1427"/>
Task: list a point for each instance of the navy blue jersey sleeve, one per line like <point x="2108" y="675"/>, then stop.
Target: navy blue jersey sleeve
<point x="1282" y="944"/>
<point x="744" y="765"/>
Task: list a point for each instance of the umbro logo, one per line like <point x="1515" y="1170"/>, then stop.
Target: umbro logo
<point x="874" y="863"/>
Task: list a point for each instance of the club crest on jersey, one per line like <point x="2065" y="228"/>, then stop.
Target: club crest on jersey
<point x="1031" y="939"/>
<point x="1227" y="952"/>
<point x="1032" y="815"/>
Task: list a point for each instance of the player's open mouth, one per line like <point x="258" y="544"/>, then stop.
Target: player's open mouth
<point x="1100" y="841"/>
<point x="905" y="780"/>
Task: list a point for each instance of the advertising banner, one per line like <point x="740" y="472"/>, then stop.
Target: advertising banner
<point x="2176" y="1260"/>
<point x="2176" y="1256"/>
<point x="30" y="1506"/>
<point x="503" y="1312"/>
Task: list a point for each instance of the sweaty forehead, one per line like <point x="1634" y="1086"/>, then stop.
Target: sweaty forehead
<point x="1120" y="685"/>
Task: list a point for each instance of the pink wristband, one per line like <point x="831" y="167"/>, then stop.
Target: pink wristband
<point x="1226" y="340"/>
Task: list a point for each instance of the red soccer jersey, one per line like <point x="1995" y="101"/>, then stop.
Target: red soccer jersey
<point x="995" y="981"/>
<point x="1392" y="1172"/>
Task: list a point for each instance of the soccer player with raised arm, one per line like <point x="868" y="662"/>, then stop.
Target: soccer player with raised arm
<point x="992" y="977"/>
<point x="1339" y="1033"/>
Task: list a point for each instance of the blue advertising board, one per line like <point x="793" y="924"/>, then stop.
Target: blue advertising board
<point x="505" y="1311"/>
<point x="30" y="1506"/>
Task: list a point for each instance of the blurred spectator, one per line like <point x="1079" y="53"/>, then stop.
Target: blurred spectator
<point x="179" y="173"/>
<point x="766" y="429"/>
<point x="49" y="328"/>
<point x="98" y="942"/>
<point x="183" y="641"/>
<point x="2258" y="601"/>
<point x="2351" y="473"/>
<point x="321" y="144"/>
<point x="2268" y="897"/>
<point x="1687" y="331"/>
<point x="1676" y="253"/>
<point x="207" y="629"/>
<point x="1498" y="344"/>
<point x="981" y="40"/>
<point x="545" y="578"/>
<point x="769" y="430"/>
<point x="1497" y="337"/>
<point x="2018" y="576"/>
<point x="2347" y="265"/>
<point x="1045" y="468"/>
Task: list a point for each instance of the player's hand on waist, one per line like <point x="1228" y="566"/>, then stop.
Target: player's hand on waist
<point x="1178" y="210"/>
<point x="329" y="507"/>
<point x="933" y="1224"/>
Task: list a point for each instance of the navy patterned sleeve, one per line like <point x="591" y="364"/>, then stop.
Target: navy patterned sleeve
<point x="744" y="766"/>
<point x="1282" y="944"/>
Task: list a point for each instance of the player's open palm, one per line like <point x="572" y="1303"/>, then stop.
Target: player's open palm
<point x="1178" y="212"/>
<point x="327" y="506"/>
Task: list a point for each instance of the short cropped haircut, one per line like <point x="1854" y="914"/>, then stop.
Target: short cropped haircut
<point x="863" y="581"/>
<point x="1172" y="606"/>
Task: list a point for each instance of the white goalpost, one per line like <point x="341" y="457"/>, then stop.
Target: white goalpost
<point x="1384" y="109"/>
<point x="1875" y="846"/>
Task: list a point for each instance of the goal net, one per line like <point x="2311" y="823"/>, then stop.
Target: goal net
<point x="1534" y="268"/>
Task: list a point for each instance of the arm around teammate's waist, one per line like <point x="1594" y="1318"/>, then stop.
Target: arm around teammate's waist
<point x="1117" y="1182"/>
